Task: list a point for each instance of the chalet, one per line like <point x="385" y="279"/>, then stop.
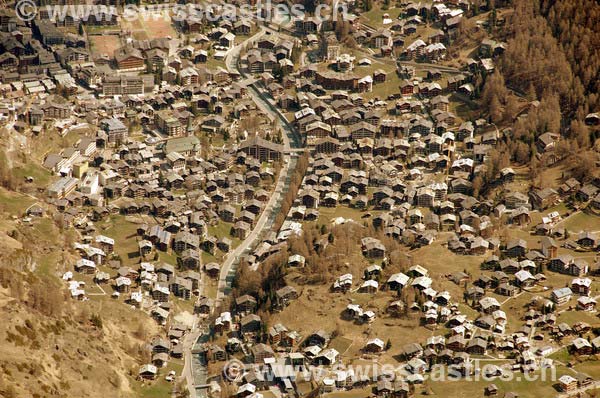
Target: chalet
<point x="581" y="346"/>
<point x="587" y="239"/>
<point x="516" y="248"/>
<point x="505" y="289"/>
<point x="585" y="303"/>
<point x="148" y="372"/>
<point x="181" y="287"/>
<point x="212" y="270"/>
<point x="543" y="198"/>
<point x="549" y="247"/>
<point x="372" y="248"/>
<point x="128" y="58"/>
<point x="260" y="352"/>
<point x="476" y="346"/>
<point x="285" y="295"/>
<point x="489" y="305"/>
<point x="245" y="304"/>
<point x="581" y="286"/>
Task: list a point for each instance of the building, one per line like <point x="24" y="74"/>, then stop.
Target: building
<point x="261" y="149"/>
<point x="116" y="131"/>
<point x="62" y="187"/>
<point x="168" y="124"/>
<point x="127" y="85"/>
<point x="561" y="296"/>
<point x="129" y="59"/>
<point x="543" y="198"/>
<point x="567" y="383"/>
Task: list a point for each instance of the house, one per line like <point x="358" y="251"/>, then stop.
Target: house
<point x="566" y="264"/>
<point x="186" y="240"/>
<point x="398" y="281"/>
<point x="260" y="352"/>
<point x="327" y="357"/>
<point x="585" y="303"/>
<point x="490" y="390"/>
<point x="245" y="304"/>
<point x="549" y="247"/>
<point x="567" y="383"/>
<point x="190" y="259"/>
<point x="543" y="198"/>
<point x="581" y="286"/>
<point x="374" y="345"/>
<point x="115" y="129"/>
<point x="516" y="248"/>
<point x="181" y="287"/>
<point x="241" y="229"/>
<point x="296" y="260"/>
<point x="476" y="346"/>
<point x="250" y="323"/>
<point x="212" y="270"/>
<point x="85" y="266"/>
<point x="587" y="239"/>
<point x="505" y="289"/>
<point x="524" y="279"/>
<point x="148" y="372"/>
<point x="369" y="286"/>
<point x="561" y="296"/>
<point x="285" y="295"/>
<point x="489" y="305"/>
<point x="372" y="248"/>
<point x="581" y="346"/>
<point x="129" y="59"/>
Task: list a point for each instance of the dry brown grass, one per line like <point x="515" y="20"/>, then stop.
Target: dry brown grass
<point x="158" y="27"/>
<point x="106" y="44"/>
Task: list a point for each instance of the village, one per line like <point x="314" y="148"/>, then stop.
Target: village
<point x="308" y="195"/>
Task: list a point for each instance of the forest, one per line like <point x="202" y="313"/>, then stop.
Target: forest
<point x="551" y="57"/>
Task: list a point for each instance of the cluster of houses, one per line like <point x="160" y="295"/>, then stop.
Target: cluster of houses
<point x="408" y="157"/>
<point x="276" y="358"/>
<point x="169" y="181"/>
<point x="162" y="349"/>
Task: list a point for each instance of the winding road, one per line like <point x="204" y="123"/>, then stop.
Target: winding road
<point x="291" y="141"/>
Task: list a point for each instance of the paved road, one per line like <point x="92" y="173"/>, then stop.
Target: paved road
<point x="232" y="258"/>
<point x="227" y="268"/>
<point x="187" y="372"/>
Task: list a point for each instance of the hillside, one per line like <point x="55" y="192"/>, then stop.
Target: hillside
<point x="52" y="346"/>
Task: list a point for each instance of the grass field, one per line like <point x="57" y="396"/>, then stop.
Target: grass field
<point x="341" y="344"/>
<point x="582" y="221"/>
<point x="591" y="368"/>
<point x="442" y="262"/>
<point x="41" y="176"/>
<point x="159" y="388"/>
<point x="374" y="18"/>
<point x="213" y="64"/>
<point x="124" y="233"/>
<point x="572" y="317"/>
<point x="221" y="229"/>
<point x="327" y="214"/>
<point x="561" y="355"/>
<point x="391" y="85"/>
<point x="475" y="388"/>
<point x="14" y="203"/>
